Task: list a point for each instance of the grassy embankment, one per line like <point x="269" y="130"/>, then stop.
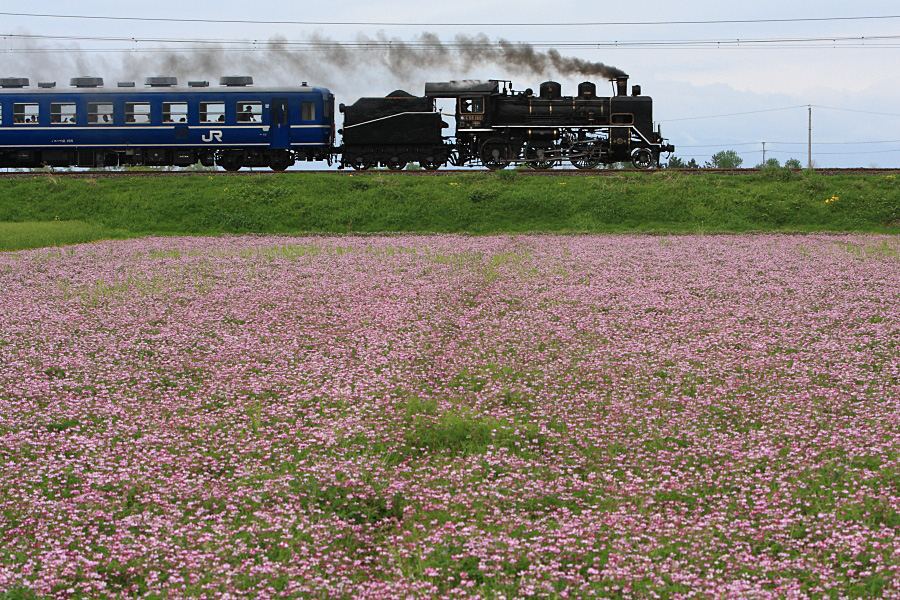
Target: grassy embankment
<point x="45" y="210"/>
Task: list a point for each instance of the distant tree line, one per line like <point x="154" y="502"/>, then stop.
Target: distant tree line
<point x="728" y="159"/>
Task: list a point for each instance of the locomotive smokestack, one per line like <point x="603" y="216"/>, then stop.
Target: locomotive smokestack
<point x="622" y="85"/>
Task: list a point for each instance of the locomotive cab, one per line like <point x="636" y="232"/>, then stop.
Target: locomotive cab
<point x="470" y="111"/>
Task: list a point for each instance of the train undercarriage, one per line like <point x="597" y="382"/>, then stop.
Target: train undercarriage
<point x="582" y="148"/>
<point x="395" y="157"/>
<point x="230" y="159"/>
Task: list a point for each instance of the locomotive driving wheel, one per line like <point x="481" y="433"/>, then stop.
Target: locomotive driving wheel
<point x="495" y="154"/>
<point x="584" y="157"/>
<point x="537" y="158"/>
<point x="642" y="159"/>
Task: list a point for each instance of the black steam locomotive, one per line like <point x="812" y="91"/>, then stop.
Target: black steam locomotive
<point x="496" y="126"/>
<point x="235" y="125"/>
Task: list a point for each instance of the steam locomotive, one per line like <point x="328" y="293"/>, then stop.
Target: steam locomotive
<point x="235" y="125"/>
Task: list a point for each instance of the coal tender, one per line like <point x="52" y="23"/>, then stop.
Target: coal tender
<point x="392" y="132"/>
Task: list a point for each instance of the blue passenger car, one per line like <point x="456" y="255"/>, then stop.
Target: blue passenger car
<point x="160" y="124"/>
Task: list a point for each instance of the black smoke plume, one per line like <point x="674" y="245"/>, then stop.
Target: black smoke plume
<point x="460" y="56"/>
<point x="319" y="60"/>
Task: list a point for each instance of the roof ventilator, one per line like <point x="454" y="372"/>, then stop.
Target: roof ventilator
<point x="236" y="81"/>
<point x="126" y="84"/>
<point x="46" y="85"/>
<point x="161" y="81"/>
<point x="198" y="84"/>
<point x="13" y="82"/>
<point x="86" y="82"/>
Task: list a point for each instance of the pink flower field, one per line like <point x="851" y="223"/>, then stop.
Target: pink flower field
<point x="535" y="416"/>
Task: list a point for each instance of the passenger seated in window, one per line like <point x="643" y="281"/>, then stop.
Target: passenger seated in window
<point x="221" y="118"/>
<point x="247" y="115"/>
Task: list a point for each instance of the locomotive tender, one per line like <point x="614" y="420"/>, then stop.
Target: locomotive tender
<point x="236" y="126"/>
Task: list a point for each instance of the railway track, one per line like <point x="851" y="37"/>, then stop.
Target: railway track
<point x="418" y="173"/>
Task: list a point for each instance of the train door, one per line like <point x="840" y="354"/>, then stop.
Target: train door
<point x="281" y="123"/>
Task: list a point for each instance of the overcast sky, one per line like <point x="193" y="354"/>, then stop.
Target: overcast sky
<point x="692" y="71"/>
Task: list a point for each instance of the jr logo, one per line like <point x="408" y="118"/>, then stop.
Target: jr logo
<point x="214" y="134"/>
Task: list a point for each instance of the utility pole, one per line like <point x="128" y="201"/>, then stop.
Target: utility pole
<point x="764" y="154"/>
<point x="809" y="141"/>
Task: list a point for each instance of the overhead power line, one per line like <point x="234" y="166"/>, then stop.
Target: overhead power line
<point x="866" y="112"/>
<point x="244" y="45"/>
<point x="850" y="153"/>
<point x="441" y="24"/>
<point x="720" y="145"/>
<point x="751" y="112"/>
<point x="731" y="144"/>
<point x="790" y="153"/>
<point x="832" y="143"/>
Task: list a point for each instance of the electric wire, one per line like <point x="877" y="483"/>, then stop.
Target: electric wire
<point x="442" y="24"/>
<point x="750" y="112"/>
<point x="844" y="42"/>
<point x="807" y="106"/>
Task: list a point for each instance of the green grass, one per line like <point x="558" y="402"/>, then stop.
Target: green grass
<point x="40" y="234"/>
<point x="46" y="210"/>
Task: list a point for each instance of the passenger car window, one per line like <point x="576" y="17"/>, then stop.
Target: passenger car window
<point x="25" y="114"/>
<point x="174" y="112"/>
<point x="62" y="113"/>
<point x="137" y="113"/>
<point x="100" y="113"/>
<point x="212" y="112"/>
<point x="249" y="112"/>
<point x="308" y="111"/>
